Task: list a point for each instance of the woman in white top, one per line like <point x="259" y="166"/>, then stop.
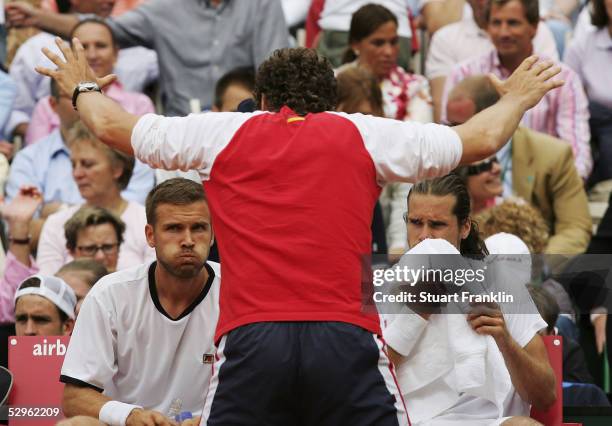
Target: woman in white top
<point x="101" y="174"/>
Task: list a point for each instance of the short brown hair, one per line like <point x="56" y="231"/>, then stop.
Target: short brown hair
<point x="175" y="191"/>
<point x="79" y="133"/>
<point x="530" y="7"/>
<point x="90" y="270"/>
<point x="356" y="85"/>
<point x="298" y="78"/>
<point x="90" y="216"/>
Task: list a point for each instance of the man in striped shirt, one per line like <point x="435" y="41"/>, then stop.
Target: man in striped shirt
<point x="562" y="113"/>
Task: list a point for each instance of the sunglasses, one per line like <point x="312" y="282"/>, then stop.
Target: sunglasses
<point x="479" y="168"/>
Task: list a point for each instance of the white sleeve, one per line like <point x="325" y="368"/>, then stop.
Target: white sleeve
<point x="404" y="331"/>
<point x="397" y="237"/>
<point x="523" y="327"/>
<point x="90" y="358"/>
<point x="185" y="143"/>
<point x="408" y="151"/>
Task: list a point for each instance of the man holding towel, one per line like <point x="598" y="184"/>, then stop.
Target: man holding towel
<point x="508" y="371"/>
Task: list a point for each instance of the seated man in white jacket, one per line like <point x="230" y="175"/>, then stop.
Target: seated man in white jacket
<point x="437" y="355"/>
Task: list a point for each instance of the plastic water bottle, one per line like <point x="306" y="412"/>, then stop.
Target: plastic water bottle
<point x="175" y="408"/>
<point x="185" y="415"/>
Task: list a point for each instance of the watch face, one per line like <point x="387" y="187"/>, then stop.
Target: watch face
<point x="88" y="86"/>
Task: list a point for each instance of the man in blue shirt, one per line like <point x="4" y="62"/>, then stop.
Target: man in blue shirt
<point x="46" y="164"/>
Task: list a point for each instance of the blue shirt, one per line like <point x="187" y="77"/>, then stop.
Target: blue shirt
<point x="8" y="91"/>
<point x="46" y="164"/>
<point x="197" y="43"/>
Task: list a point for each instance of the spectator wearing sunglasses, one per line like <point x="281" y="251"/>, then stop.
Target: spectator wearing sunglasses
<point x="483" y="181"/>
<point x="533" y="166"/>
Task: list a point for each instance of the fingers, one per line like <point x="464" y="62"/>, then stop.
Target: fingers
<point x="497" y="83"/>
<point x="65" y="49"/>
<point x="527" y="63"/>
<point x="487" y="331"/>
<point x="154" y="418"/>
<point x="553" y="84"/>
<point x="78" y="50"/>
<point x="53" y="57"/>
<point x="106" y="80"/>
<point x="549" y="72"/>
<point x="483" y="320"/>
<point x="484" y="310"/>
<point x="158" y="419"/>
<point x="46" y="71"/>
<point x="541" y="66"/>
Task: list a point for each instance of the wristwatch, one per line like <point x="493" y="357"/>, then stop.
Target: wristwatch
<point x="82" y="87"/>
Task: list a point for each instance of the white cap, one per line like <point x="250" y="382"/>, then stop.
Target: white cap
<point x="52" y="288"/>
<point x="434" y="246"/>
<point x="504" y="243"/>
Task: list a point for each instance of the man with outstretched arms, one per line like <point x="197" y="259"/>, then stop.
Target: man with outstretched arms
<point x="292" y="190"/>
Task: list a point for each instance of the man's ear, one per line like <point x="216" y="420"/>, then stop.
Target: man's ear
<point x="150" y="235"/>
<point x="53" y="104"/>
<point x="68" y="326"/>
<point x="466" y="227"/>
<point x="212" y="239"/>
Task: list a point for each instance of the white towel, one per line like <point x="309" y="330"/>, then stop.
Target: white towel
<point x="445" y="357"/>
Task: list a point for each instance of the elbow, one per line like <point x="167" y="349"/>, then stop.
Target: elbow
<point x="545" y="401"/>
<point x="544" y="398"/>
<point x="487" y="144"/>
<point x="67" y="406"/>
<point x="491" y="143"/>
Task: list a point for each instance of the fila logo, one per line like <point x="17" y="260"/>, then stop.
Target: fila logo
<point x="208" y="358"/>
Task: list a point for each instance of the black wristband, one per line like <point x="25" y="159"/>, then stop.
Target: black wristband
<point x="83" y="88"/>
<point x="22" y="241"/>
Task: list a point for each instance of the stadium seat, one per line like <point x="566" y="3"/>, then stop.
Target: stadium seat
<point x="554" y="415"/>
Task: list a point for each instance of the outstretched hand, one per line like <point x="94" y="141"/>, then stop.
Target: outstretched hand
<point x="20" y="14"/>
<point x="73" y="68"/>
<point x="529" y="82"/>
<point x="23" y="206"/>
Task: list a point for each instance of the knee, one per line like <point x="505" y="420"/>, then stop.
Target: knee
<point x="521" y="421"/>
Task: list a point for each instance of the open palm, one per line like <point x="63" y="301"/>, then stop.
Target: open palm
<point x="24" y="205"/>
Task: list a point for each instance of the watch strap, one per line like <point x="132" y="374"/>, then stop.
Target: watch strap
<point x="81" y="88"/>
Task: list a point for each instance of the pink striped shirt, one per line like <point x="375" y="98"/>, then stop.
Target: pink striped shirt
<point x="45" y="120"/>
<point x="562" y="112"/>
